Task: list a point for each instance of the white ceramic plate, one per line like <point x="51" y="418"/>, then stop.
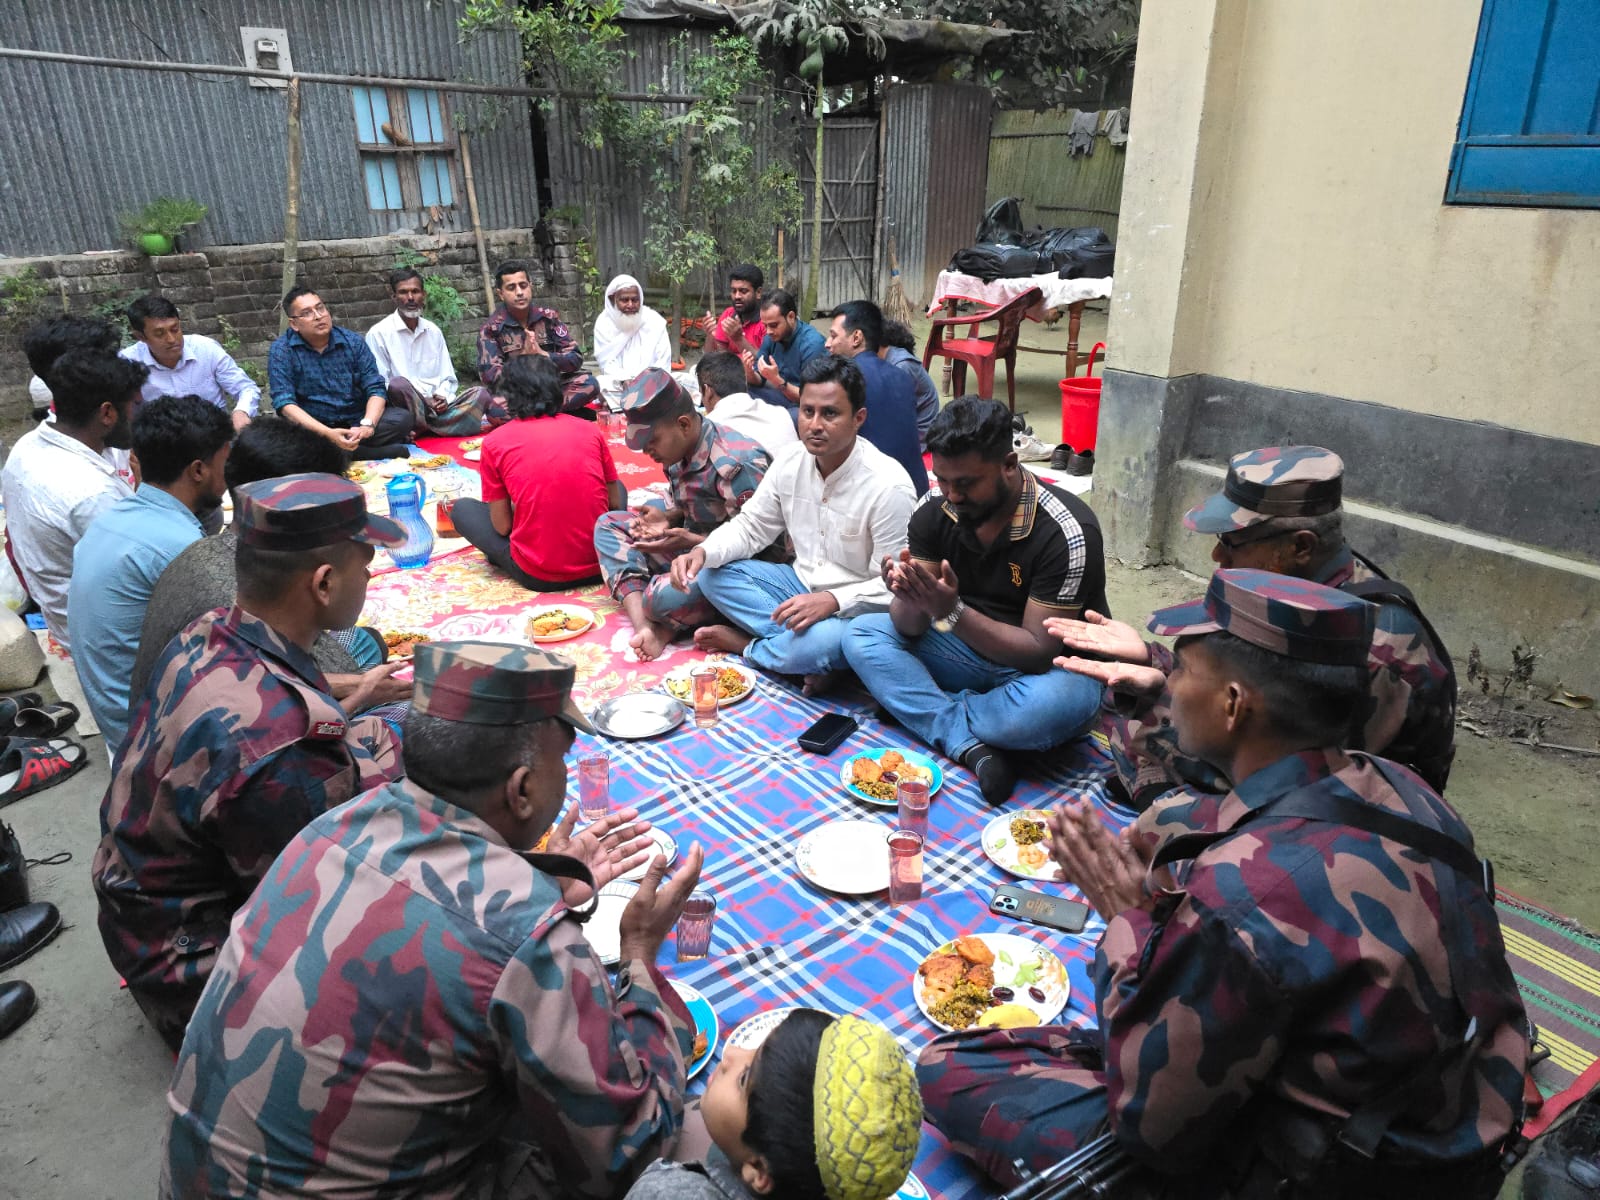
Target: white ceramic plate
<point x="473" y="455"/>
<point x="665" y="844"/>
<point x="915" y="757"/>
<point x="677" y="684"/>
<point x="705" y="1021"/>
<point x="750" y="1034"/>
<point x="1019" y="964"/>
<point x="604" y="926"/>
<point x="1025" y="862"/>
<point x="525" y="622"/>
<point x="911" y="1189"/>
<point x="848" y="857"/>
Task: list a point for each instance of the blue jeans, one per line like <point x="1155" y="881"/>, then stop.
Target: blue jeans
<point x="746" y="592"/>
<point x="952" y="697"/>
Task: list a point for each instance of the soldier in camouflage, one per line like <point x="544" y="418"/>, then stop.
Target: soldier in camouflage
<point x="237" y="742"/>
<point x="1279" y="510"/>
<point x="711" y="472"/>
<point x="408" y="1007"/>
<point x="1302" y="988"/>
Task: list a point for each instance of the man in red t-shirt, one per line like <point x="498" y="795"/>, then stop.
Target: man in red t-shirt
<point x="739" y="327"/>
<point x="547" y="478"/>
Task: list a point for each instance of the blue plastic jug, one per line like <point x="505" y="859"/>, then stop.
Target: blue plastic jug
<point x="407" y="495"/>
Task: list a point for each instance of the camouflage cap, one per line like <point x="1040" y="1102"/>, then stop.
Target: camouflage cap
<point x="650" y="397"/>
<point x="1293" y="617"/>
<point x="302" y="512"/>
<point x="490" y="683"/>
<point x="1275" y="481"/>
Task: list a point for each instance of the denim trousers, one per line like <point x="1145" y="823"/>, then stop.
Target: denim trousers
<point x="746" y="592"/>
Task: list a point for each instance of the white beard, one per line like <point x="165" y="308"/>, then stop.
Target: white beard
<point x="628" y="323"/>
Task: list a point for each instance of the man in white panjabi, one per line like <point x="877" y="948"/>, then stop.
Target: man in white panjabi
<point x="629" y="336"/>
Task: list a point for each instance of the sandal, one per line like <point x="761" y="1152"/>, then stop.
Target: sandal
<point x="28" y="765"/>
<point x="43" y="720"/>
<point x="10" y="706"/>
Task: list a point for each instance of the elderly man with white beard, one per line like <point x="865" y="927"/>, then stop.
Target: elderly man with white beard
<point x="629" y="336"/>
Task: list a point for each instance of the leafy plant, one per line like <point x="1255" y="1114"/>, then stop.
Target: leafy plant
<point x="228" y="339"/>
<point x="22" y="299"/>
<point x="115" y="310"/>
<point x="443" y="303"/>
<point x="167" y="216"/>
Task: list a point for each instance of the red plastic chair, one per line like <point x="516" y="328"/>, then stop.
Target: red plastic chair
<point x="982" y="353"/>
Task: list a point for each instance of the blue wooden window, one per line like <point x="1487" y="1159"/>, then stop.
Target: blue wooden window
<point x="1530" y="124"/>
<point x="406" y="151"/>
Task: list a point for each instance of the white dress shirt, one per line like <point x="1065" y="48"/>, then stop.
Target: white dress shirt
<point x="767" y="425"/>
<point x="419" y="355"/>
<point x="54" y="487"/>
<point x="204" y="369"/>
<point x="842" y="527"/>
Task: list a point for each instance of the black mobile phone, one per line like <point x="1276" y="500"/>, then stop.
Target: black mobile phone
<point x="1025" y="904"/>
<point x="826" y="733"/>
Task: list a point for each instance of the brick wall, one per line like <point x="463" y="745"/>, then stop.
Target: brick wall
<point x="243" y="284"/>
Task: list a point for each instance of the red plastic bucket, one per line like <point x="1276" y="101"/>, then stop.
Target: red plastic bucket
<point x="1080" y="407"/>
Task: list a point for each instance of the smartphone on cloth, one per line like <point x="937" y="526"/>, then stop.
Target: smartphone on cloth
<point x="1036" y="908"/>
<point x="826" y="733"/>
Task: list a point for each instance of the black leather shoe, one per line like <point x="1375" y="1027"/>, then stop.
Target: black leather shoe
<point x="1060" y="457"/>
<point x="1081" y="463"/>
<point x="17" y="1003"/>
<point x="23" y="930"/>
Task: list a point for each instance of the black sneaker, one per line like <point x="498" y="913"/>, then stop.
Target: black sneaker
<point x="1566" y="1166"/>
<point x="996" y="777"/>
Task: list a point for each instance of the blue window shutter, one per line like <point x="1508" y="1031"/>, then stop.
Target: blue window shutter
<point x="1530" y="124"/>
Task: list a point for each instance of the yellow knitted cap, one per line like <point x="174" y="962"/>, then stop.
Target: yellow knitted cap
<point x="867" y="1110"/>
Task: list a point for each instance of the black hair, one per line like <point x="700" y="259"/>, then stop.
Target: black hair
<point x="266" y="574"/>
<point x="781" y="299"/>
<point x="971" y="425"/>
<point x="170" y="432"/>
<point x="863" y="317"/>
<point x="748" y="273"/>
<point x="81" y="380"/>
<point x="1312" y="703"/>
<point x="781" y="1126"/>
<point x="295" y="293"/>
<point x="270" y="448"/>
<point x="898" y="334"/>
<point x="456" y="758"/>
<point x="400" y="274"/>
<point x="49" y="339"/>
<point x="511" y="266"/>
<point x="530" y="386"/>
<point x="830" y="368"/>
<point x="723" y="372"/>
<point x="150" y="308"/>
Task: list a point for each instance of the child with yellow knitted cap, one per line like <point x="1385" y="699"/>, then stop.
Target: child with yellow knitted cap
<point x="827" y="1108"/>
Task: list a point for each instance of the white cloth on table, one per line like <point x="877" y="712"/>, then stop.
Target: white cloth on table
<point x="419" y="355"/>
<point x="1057" y="292"/>
<point x="628" y="344"/>
<point x="204" y="369"/>
<point x="767" y="425"/>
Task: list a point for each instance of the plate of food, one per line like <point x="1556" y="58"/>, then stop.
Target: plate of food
<point x="359" y="473"/>
<point x="1019" y="843"/>
<point x="734" y="683"/>
<point x="557" y="622"/>
<point x="873" y="774"/>
<point x="428" y="462"/>
<point x="665" y="845"/>
<point x="603" y="929"/>
<point x="468" y="445"/>
<point x="705" y="1027"/>
<point x="1000" y="979"/>
<point x="847" y="857"/>
<point x="403" y="644"/>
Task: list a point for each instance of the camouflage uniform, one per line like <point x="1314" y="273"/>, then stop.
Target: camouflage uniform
<point x="1292" y="971"/>
<point x="406" y="995"/>
<point x="503" y="336"/>
<point x="234" y="746"/>
<point x="708" y="488"/>
<point x="1412" y="718"/>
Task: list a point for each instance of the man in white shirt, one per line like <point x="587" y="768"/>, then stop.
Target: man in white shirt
<point x="844" y="504"/>
<point x="415" y="362"/>
<point x="61" y="474"/>
<point x="183" y="364"/>
<point x="630" y="337"/>
<point x="726" y="402"/>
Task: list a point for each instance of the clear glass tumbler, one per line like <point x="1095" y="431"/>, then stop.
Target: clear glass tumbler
<point x="704" y="683"/>
<point x="912" y="796"/>
<point x="905" y="866"/>
<point x="594" y="787"/>
<point x="694" y="926"/>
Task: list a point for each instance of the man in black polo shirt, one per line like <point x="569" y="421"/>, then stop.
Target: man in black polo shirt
<point x="962" y="658"/>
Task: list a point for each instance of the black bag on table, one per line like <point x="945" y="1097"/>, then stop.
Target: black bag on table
<point x="993" y="260"/>
<point x="1002" y="223"/>
<point x="1080" y="252"/>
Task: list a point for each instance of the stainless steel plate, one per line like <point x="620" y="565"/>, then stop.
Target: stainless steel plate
<point x="641" y="715"/>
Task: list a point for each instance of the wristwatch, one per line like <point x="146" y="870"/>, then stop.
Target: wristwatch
<point x="366" y="422"/>
<point x="948" y="622"/>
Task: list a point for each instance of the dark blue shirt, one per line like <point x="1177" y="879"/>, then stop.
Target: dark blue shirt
<point x="801" y="348"/>
<point x="332" y="386"/>
<point x="927" y="393"/>
<point x="891" y="423"/>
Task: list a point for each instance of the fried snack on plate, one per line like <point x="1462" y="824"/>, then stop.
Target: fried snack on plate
<point x="699" y="1047"/>
<point x="864" y="770"/>
<point x="974" y="950"/>
<point x="891" y="761"/>
<point x="980" y="974"/>
<point x="940" y="974"/>
<point x="572" y="624"/>
<point x="1032" y="857"/>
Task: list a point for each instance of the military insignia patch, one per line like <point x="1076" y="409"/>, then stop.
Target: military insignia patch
<point x="328" y="729"/>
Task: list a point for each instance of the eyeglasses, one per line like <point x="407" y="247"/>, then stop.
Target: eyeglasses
<point x="320" y="310"/>
<point x="1260" y="533"/>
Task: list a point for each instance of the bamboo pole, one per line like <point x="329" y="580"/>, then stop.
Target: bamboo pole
<point x="814" y="272"/>
<point x="780" y="256"/>
<point x="877" y="207"/>
<point x="291" y="202"/>
<point x="676" y="330"/>
<point x="477" y="225"/>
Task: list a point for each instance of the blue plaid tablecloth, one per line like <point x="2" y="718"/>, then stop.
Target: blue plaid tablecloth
<point x="747" y="793"/>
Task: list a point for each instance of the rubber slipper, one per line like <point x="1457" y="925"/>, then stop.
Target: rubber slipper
<point x="10" y="706"/>
<point x="45" y="720"/>
<point x="28" y="765"/>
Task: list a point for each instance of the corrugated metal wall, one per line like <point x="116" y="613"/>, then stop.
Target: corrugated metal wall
<point x="849" y="209"/>
<point x="81" y="144"/>
<point x="1028" y="157"/>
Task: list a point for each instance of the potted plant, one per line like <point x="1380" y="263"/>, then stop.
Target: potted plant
<point x="156" y="227"/>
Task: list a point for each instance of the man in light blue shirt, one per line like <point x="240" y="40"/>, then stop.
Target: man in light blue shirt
<point x="182" y="444"/>
<point x="187" y="364"/>
<point x="775" y="368"/>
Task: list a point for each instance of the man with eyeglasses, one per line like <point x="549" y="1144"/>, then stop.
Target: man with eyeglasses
<point x="324" y="377"/>
<point x="1279" y="510"/>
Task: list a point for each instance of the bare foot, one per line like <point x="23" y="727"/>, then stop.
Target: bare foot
<point x="820" y="685"/>
<point x="721" y="637"/>
<point x="651" y="639"/>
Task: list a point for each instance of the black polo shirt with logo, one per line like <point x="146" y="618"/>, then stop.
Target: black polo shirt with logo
<point x="1050" y="553"/>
